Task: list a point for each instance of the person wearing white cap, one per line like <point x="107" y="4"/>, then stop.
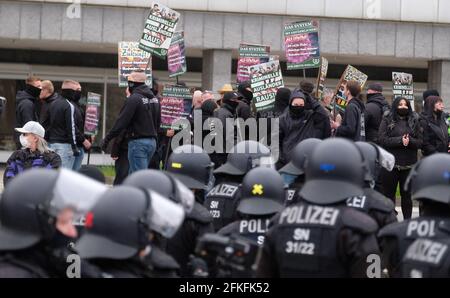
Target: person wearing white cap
<point x="35" y="152"/>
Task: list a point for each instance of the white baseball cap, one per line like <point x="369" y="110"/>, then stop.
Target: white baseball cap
<point x="32" y="127"/>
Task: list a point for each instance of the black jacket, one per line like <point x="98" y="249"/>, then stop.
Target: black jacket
<point x="375" y="107"/>
<point x="62" y="122"/>
<point x="293" y="130"/>
<point x="435" y="134"/>
<point x="79" y="116"/>
<point x="44" y="117"/>
<point x="391" y="131"/>
<point x="25" y="108"/>
<point x="140" y="115"/>
<point x="25" y="111"/>
<point x="351" y="123"/>
<point x="320" y="118"/>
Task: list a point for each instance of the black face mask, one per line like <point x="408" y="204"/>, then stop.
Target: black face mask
<point x="232" y="104"/>
<point x="371" y="95"/>
<point x="33" y="91"/>
<point x="133" y="85"/>
<point x="71" y="95"/>
<point x="60" y="240"/>
<point x="297" y="111"/>
<point x="403" y="112"/>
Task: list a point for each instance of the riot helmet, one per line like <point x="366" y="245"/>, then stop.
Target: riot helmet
<point x="299" y="155"/>
<point x="262" y="192"/>
<point x="121" y="223"/>
<point x="335" y="171"/>
<point x="245" y="156"/>
<point x="191" y="165"/>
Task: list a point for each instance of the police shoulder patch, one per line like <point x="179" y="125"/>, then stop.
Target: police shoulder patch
<point x="359" y="221"/>
<point x="379" y="202"/>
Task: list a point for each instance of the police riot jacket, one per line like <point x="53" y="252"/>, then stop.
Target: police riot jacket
<point x="253" y="229"/>
<point x="427" y="258"/>
<point x="373" y="203"/>
<point x="397" y="237"/>
<point x="309" y="240"/>
<point x="221" y="201"/>
<point x="183" y="243"/>
<point x="140" y="115"/>
<point x="377" y="206"/>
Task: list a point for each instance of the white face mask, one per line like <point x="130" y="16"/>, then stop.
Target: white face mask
<point x="24" y="141"/>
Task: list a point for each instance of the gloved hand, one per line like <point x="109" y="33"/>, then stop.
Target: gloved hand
<point x="76" y="152"/>
<point x="104" y="145"/>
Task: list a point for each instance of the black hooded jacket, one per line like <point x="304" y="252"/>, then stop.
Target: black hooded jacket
<point x="391" y="131"/>
<point x="140" y="115"/>
<point x="375" y="107"/>
<point x="44" y="118"/>
<point x="244" y="110"/>
<point x="25" y="111"/>
<point x="293" y="129"/>
<point x="435" y="130"/>
<point x="321" y="120"/>
<point x="351" y="123"/>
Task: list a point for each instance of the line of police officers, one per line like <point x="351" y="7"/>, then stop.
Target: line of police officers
<point x="328" y="223"/>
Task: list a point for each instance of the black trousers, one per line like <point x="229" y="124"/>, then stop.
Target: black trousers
<point x="121" y="166"/>
<point x="389" y="181"/>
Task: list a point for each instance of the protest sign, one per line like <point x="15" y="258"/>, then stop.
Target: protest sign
<point x="175" y="104"/>
<point x="301" y="41"/>
<point x="321" y="77"/>
<point x="266" y="78"/>
<point x="92" y="114"/>
<point x="350" y="74"/>
<point x="131" y="58"/>
<point x="176" y="57"/>
<point x="402" y="85"/>
<point x="249" y="55"/>
<point x="158" y="31"/>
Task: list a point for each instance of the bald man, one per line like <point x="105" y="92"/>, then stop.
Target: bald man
<point x="62" y="130"/>
<point x="141" y="117"/>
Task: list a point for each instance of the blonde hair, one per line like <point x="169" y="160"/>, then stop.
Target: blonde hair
<point x="48" y="85"/>
<point x="70" y="84"/>
<point x="41" y="145"/>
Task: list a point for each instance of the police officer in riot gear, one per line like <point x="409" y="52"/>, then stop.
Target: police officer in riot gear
<point x="120" y="229"/>
<point x="296" y="167"/>
<point x="222" y="200"/>
<point x="380" y="208"/>
<point x="36" y="212"/>
<point x="429" y="181"/>
<point x="262" y="197"/>
<point x="320" y="236"/>
<point x="192" y="166"/>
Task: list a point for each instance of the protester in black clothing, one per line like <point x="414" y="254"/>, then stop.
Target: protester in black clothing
<point x="47" y="96"/>
<point x="141" y="116"/>
<point x="435" y="130"/>
<point x="62" y="133"/>
<point x="83" y="142"/>
<point x="352" y="126"/>
<point x="26" y="101"/>
<point x="244" y="110"/>
<point x="400" y="134"/>
<point x="296" y="124"/>
<point x="375" y="107"/>
<point x="320" y="117"/>
<point x="227" y="111"/>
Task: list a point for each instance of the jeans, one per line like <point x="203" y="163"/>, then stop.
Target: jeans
<point x="140" y="152"/>
<point x="65" y="152"/>
<point x="78" y="160"/>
